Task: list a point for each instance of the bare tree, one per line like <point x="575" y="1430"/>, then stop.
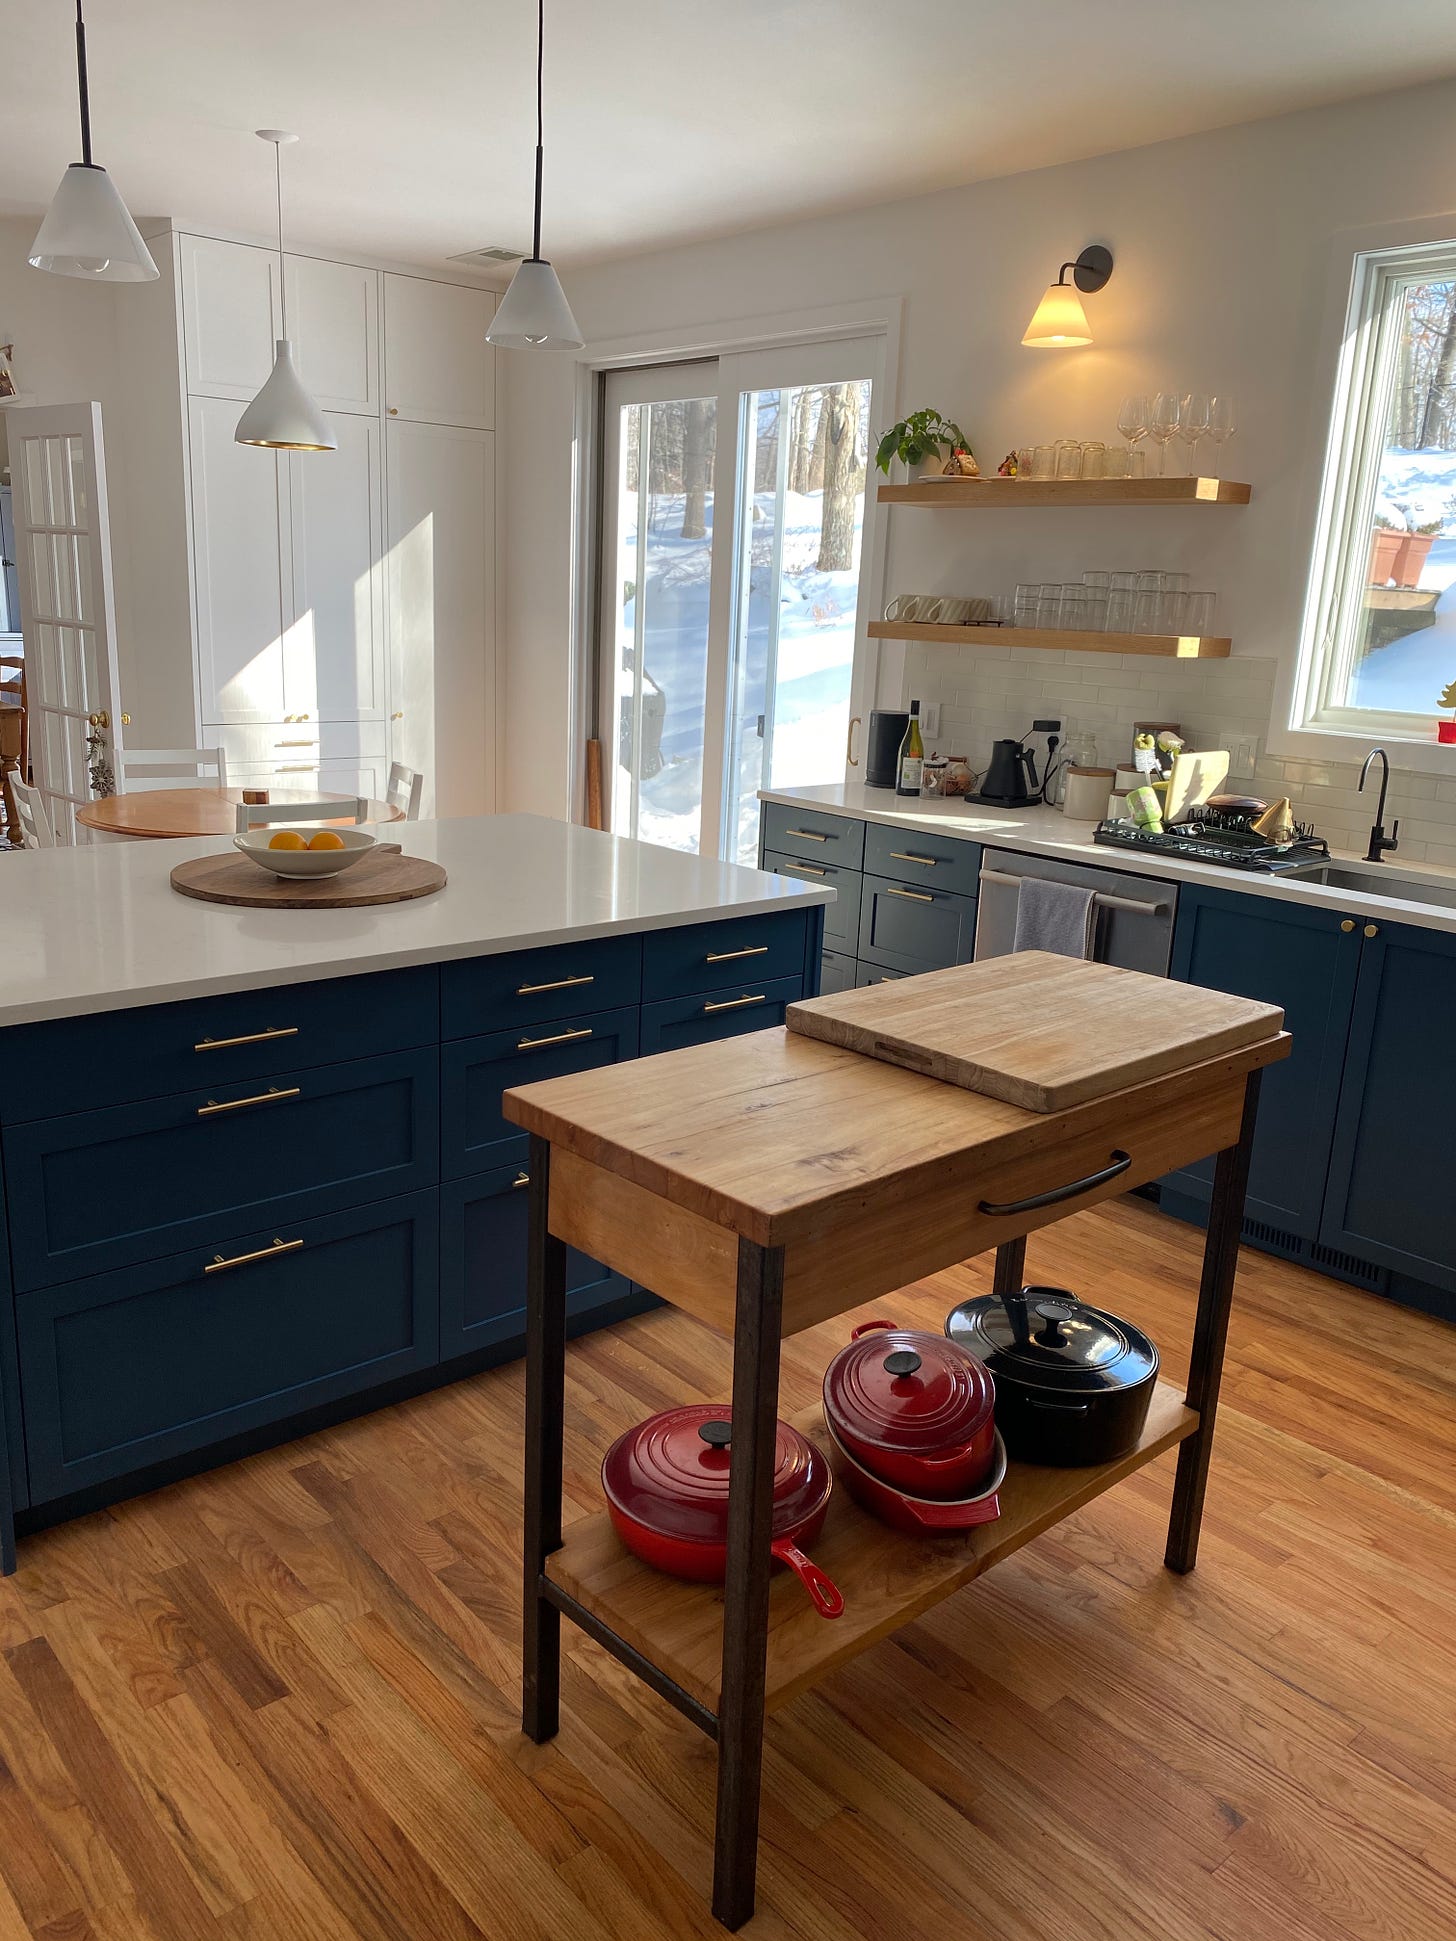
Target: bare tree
<point x="839" y="422"/>
<point x="801" y="443"/>
<point x="697" y="460"/>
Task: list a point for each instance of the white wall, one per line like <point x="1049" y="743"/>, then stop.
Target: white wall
<point x="1224" y="245"/>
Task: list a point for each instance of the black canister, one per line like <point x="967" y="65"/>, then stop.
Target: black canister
<point x="887" y="731"/>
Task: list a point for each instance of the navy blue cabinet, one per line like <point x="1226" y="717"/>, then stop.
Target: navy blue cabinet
<point x="710" y="956"/>
<point x="475" y="1071"/>
<point x="1300" y="958"/>
<point x="695" y="1020"/>
<point x="1389" y="1196"/>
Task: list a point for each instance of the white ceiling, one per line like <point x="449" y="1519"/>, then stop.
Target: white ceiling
<point x="665" y="119"/>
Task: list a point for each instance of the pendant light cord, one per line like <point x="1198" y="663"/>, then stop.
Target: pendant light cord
<point x="81" y="85"/>
<point x="282" y="267"/>
<point x="540" y="68"/>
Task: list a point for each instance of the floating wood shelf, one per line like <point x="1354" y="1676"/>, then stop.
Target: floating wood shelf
<point x="1066" y="639"/>
<point x="887" y="1578"/>
<point x="963" y="494"/>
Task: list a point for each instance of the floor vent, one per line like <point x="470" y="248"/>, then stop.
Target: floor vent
<point x="1349" y="1267"/>
<point x="1275" y="1239"/>
<point x="1333" y="1261"/>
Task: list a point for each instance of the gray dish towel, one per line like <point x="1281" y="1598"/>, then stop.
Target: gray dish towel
<point x="1058" y="917"/>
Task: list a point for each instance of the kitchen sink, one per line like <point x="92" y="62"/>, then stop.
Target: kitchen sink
<point x="1376" y="881"/>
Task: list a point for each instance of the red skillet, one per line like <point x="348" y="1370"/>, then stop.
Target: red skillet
<point x="666" y="1484"/>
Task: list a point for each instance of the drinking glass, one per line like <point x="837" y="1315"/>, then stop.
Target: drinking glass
<point x="1094" y="459"/>
<point x="1132" y="419"/>
<point x="1193" y="411"/>
<point x="1220" y="426"/>
<point x="1137" y="463"/>
<point x="1163" y="426"/>
<point x="1048" y="600"/>
<point x="1147" y="615"/>
<point x="1097" y="582"/>
<point x="1121" y="608"/>
<point x="1115" y="462"/>
<point x="1148" y="581"/>
<point x="1198" y="614"/>
<point x="1045" y="466"/>
<point x="1069" y="459"/>
<point x="1072" y="609"/>
<point x="1175" y="611"/>
<point x="1024" y="606"/>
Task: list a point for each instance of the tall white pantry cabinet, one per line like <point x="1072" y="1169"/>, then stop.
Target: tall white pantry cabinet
<point x="317" y="614"/>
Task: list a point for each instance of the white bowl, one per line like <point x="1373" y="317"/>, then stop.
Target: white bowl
<point x="304" y="862"/>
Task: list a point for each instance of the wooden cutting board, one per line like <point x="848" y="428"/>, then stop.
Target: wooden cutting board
<point x="1037" y="1030"/>
<point x="231" y="878"/>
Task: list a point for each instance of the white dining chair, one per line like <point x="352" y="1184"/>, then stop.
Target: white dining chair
<point x="343" y="808"/>
<point x="35" y="824"/>
<point x="207" y="765"/>
<point x="405" y="788"/>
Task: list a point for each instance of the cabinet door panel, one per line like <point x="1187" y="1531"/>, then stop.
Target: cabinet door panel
<point x="723" y="1014"/>
<point x="241" y="564"/>
<point x="229" y="316"/>
<point x="841" y="917"/>
<point x="438" y="368"/>
<point x="441" y="604"/>
<point x="333" y="314"/>
<point x="906" y="928"/>
<point x="333" y="659"/>
<point x="836" y="973"/>
<point x="1259" y="948"/>
<point x="475" y="1135"/>
<point x="1389" y="1197"/>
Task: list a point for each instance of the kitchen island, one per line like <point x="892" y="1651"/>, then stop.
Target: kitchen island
<point x="256" y="1175"/>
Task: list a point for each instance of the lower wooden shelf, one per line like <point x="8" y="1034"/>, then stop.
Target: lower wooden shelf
<point x="1058" y="639"/>
<point x="887" y="1578"/>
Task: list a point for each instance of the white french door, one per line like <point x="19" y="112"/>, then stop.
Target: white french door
<point x="68" y="614"/>
<point x="732" y="645"/>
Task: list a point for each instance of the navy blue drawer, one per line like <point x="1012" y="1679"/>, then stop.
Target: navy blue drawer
<point x="532" y="986"/>
<point x="483" y="1228"/>
<point x="836" y="973"/>
<point x="694" y="1020"/>
<point x="841" y="917"/>
<point x="115" y="1057"/>
<point x="903" y="927"/>
<point x="712" y="956"/>
<point x="131" y="1368"/>
<point x="814" y="835"/>
<point x="97" y="1190"/>
<point x="475" y="1071"/>
<point x="925" y="861"/>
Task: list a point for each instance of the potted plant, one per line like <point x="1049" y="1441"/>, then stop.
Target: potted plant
<point x="1446" y="730"/>
<point x="919" y="441"/>
<point x="1386" y="544"/>
<point x="1399" y="550"/>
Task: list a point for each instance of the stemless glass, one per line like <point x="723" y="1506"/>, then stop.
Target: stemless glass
<point x="1069" y="459"/>
<point x="1198" y="613"/>
<point x="1147" y="611"/>
<point x="1046" y="462"/>
<point x="1193" y="411"/>
<point x="1132" y="418"/>
<point x="1094" y="459"/>
<point x="1163" y="426"/>
<point x="1220" y="426"/>
<point x="1115" y="462"/>
<point x="1024" y="606"/>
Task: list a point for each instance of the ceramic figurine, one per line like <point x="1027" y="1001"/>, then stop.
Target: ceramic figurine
<point x="1009" y="468"/>
<point x="962" y="464"/>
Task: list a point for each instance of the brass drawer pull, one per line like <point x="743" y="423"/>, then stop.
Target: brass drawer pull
<point x="1120" y="1163"/>
<point x="273" y="1096"/>
<point x="297" y="768"/>
<point x="561" y="1038"/>
<point x="736" y="1003"/>
<point x="916" y="896"/>
<point x="521" y="1179"/>
<point x="560" y="984"/>
<point x="249" y="1038"/>
<point x="807" y="869"/>
<point x="905" y="856"/>
<point x="218" y="1265"/>
<point x="809" y="835"/>
<point x="727" y="956"/>
<point x="295" y="744"/>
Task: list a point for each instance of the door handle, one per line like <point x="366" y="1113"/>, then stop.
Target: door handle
<point x="849" y="754"/>
<point x="915" y="896"/>
<point x="217" y="1265"/>
<point x="561" y="1038"/>
<point x="275" y="1095"/>
<point x="736" y="1003"/>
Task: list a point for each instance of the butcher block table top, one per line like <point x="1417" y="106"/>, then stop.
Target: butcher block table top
<point x="1035" y="1029"/>
<point x="199" y="811"/>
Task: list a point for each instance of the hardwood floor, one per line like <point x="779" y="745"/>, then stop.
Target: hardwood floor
<point x="279" y="1702"/>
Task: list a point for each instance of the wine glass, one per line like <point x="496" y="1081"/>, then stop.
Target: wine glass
<point x="1163" y="425"/>
<point x="1193" y="415"/>
<point x="1220" y="425"/>
<point x="1132" y="419"/>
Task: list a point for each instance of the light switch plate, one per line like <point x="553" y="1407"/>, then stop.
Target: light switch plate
<point x="1243" y="755"/>
<point x="930" y="717"/>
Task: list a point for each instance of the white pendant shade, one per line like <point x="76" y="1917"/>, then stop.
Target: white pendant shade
<point x="88" y="232"/>
<point x="283" y="416"/>
<point x="1060" y="322"/>
<point x="534" y="313"/>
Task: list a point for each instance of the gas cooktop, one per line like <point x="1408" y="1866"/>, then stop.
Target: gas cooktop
<point x="1195" y="842"/>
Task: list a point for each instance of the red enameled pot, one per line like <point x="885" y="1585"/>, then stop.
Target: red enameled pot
<point x="666" y="1483"/>
<point x="914" y="1409"/>
<point x="923" y="1515"/>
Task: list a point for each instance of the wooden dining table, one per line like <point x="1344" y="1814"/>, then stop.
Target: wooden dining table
<point x="147" y="813"/>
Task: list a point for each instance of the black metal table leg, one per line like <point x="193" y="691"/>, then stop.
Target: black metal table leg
<point x="545" y="1416"/>
<point x="745" y="1599"/>
<point x="1010" y="1267"/>
<point x="1210" y="1332"/>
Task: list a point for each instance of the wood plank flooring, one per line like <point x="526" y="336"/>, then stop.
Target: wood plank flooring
<point x="279" y="1702"/>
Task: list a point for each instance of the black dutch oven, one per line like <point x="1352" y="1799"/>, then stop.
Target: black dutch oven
<point x="1073" y="1384"/>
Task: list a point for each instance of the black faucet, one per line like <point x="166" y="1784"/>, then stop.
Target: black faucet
<point x="1379" y="841"/>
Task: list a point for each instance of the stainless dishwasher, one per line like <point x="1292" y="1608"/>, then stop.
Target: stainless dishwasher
<point x="1134" y="924"/>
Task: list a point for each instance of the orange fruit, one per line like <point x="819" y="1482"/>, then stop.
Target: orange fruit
<point x="287" y="839"/>
<point x="326" y="839"/>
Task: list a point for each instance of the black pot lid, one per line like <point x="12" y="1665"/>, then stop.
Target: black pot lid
<point x="1045" y="1337"/>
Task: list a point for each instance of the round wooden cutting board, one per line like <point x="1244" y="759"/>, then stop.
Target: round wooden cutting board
<point x="380" y="878"/>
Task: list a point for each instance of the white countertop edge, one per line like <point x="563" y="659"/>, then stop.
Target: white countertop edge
<point x="1047" y="832"/>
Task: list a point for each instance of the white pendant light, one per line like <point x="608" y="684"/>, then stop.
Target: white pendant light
<point x="87" y="231"/>
<point x="283" y="417"/>
<point x="534" y="313"/>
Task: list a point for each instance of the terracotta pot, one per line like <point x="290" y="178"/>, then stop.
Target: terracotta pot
<point x="1385" y="552"/>
<point x="1414" y="553"/>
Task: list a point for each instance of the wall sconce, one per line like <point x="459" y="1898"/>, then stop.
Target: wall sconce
<point x="1060" y="322"/>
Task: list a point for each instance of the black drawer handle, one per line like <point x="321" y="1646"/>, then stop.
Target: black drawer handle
<point x="217" y="1265"/>
<point x="557" y="1038"/>
<point x="729" y="956"/>
<point x="1120" y="1163"/>
<point x="559" y="984"/>
<point x="249" y="1038"/>
<point x="275" y="1095"/>
<point x="810" y="835"/>
<point x="907" y="856"/>
<point x="736" y="1003"/>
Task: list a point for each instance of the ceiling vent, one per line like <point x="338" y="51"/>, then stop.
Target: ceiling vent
<point x="492" y="253"/>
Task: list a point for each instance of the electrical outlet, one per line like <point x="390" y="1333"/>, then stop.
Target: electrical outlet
<point x="930" y="717"/>
<point x="1243" y="755"/>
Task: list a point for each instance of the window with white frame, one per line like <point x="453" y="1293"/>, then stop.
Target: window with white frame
<point x="1379" y="647"/>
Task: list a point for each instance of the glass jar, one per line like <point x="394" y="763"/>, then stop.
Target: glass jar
<point x="960" y="777"/>
<point x="932" y="777"/>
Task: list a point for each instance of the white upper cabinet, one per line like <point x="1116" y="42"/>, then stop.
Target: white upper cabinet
<point x="241" y="550"/>
<point x="438" y="368"/>
<point x="334" y="657"/>
<point x="333" y="316"/>
<point x="230" y="316"/>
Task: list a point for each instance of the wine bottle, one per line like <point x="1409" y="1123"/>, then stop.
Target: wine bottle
<point x="911" y="757"/>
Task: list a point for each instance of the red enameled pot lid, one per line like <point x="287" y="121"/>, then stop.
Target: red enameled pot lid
<point x="901" y="1389"/>
<point x="670" y="1474"/>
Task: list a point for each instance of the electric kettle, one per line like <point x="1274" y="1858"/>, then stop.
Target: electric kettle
<point x="1011" y="780"/>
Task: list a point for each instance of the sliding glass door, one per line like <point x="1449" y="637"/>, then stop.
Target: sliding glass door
<point x="733" y="522"/>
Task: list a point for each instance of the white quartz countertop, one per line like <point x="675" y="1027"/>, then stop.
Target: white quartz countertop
<point x="1047" y="832"/>
<point x="101" y="928"/>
